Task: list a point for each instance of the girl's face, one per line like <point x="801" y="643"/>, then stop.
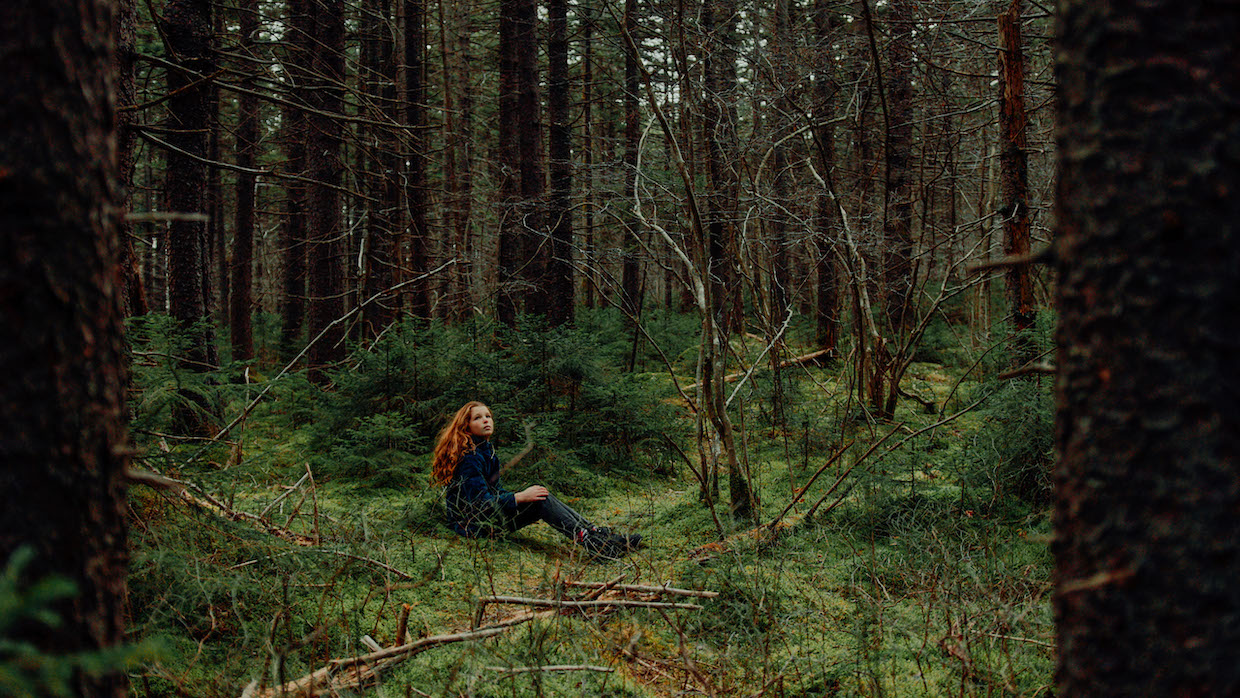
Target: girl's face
<point x="480" y="422"/>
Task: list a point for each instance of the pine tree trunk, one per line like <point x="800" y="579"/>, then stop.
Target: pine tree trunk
<point x="511" y="239"/>
<point x="560" y="212"/>
<point x="293" y="243"/>
<point x="1148" y="426"/>
<point x="533" y="164"/>
<point x="134" y="293"/>
<point x="589" y="253"/>
<point x="897" y="202"/>
<point x="187" y="26"/>
<point x="826" y="212"/>
<point x="62" y="381"/>
<point x="323" y="161"/>
<point x="383" y="167"/>
<point x="241" y="297"/>
<point x="630" y="274"/>
<point x="1014" y="180"/>
<point x="417" y="298"/>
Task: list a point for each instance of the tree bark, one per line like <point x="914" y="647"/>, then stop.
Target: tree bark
<point x="897" y="202"/>
<point x="630" y="271"/>
<point x="589" y="252"/>
<point x="134" y="293"/>
<point x="1148" y="425"/>
<point x="418" y="299"/>
<point x="293" y="245"/>
<point x="826" y="214"/>
<point x="383" y="166"/>
<point x="62" y="381"/>
<point x="1014" y="181"/>
<point x="323" y="160"/>
<point x="722" y="148"/>
<point x="241" y="297"/>
<point x="187" y="26"/>
<point x="560" y="211"/>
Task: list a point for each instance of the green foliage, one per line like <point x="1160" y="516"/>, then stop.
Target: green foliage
<point x="941" y="344"/>
<point x="27" y="670"/>
<point x="158" y="348"/>
<point x="380" y="420"/>
<point x="935" y="554"/>
<point x="1014" y="450"/>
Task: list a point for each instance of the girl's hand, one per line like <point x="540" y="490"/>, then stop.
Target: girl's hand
<point x="533" y="493"/>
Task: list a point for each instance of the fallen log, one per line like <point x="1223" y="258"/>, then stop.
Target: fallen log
<point x="810" y="358"/>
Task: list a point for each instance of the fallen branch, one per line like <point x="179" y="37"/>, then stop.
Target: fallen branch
<point x="197" y="497"/>
<point x="552" y="667"/>
<point x="369" y="561"/>
<point x="569" y="604"/>
<point x="263" y="514"/>
<point x="529" y="446"/>
<point x="1028" y="369"/>
<point x="599" y="588"/>
<point x="596" y="603"/>
<point x="352" y="672"/>
<point x="809" y="358"/>
<point x="646" y="589"/>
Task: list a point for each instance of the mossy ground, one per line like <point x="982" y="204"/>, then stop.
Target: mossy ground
<point x="927" y="578"/>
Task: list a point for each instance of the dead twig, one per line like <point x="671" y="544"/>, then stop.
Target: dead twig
<point x="511" y="671"/>
<point x="646" y="589"/>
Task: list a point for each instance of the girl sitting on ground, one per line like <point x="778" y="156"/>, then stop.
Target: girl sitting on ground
<point x="465" y="462"/>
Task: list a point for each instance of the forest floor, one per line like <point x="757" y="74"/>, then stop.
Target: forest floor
<point x="919" y="575"/>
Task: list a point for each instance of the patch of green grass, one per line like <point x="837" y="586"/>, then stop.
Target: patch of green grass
<point x="914" y="583"/>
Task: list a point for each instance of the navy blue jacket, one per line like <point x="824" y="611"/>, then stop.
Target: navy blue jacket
<point x="474" y="495"/>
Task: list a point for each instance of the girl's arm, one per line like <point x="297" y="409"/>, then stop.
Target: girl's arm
<point x="474" y="486"/>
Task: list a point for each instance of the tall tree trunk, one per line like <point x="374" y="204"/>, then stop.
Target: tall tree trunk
<point x="560" y="136"/>
<point x="630" y="274"/>
<point x="293" y="244"/>
<point x="589" y="254"/>
<point x="467" y="245"/>
<point x="1148" y="425"/>
<point x="1014" y="180"/>
<point x="719" y="26"/>
<point x="453" y="24"/>
<point x="383" y="165"/>
<point x="134" y="291"/>
<point x="243" y="236"/>
<point x="522" y="263"/>
<point x="533" y="164"/>
<point x="897" y="201"/>
<point x="418" y="297"/>
<point x="187" y="26"/>
<point x="826" y="212"/>
<point x="62" y="383"/>
<point x="780" y="125"/>
<point x="722" y="150"/>
<point x="323" y="160"/>
<point x="511" y="237"/>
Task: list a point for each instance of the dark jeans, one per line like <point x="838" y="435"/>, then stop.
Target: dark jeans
<point x="557" y="514"/>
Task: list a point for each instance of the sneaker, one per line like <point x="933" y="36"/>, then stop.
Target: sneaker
<point x="599" y="544"/>
<point x="627" y="541"/>
<point x="630" y="541"/>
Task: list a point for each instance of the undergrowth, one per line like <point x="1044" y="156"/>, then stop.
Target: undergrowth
<point x="924" y="570"/>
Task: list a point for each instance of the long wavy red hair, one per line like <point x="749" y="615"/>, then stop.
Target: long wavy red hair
<point x="454" y="441"/>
